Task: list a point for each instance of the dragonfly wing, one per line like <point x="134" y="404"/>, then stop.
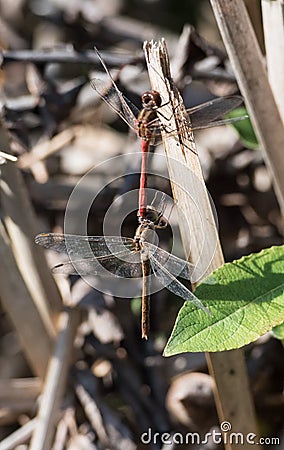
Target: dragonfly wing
<point x="84" y="246"/>
<point x="94" y="255"/>
<point x="80" y="267"/>
<point x="207" y="114"/>
<point x="218" y="123"/>
<point x="105" y="266"/>
<point x="172" y="284"/>
<point x="110" y="93"/>
<point x="177" y="266"/>
<point x="114" y="98"/>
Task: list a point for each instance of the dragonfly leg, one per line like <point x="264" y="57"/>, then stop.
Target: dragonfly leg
<point x="163" y="115"/>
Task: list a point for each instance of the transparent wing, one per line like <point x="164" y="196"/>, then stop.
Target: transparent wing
<point x="94" y="255"/>
<point x="109" y="93"/>
<point x="173" y="285"/>
<point x="112" y="265"/>
<point x="207" y="114"/>
<point x="202" y="116"/>
<point x="177" y="266"/>
<point x="116" y="100"/>
<point x="84" y="246"/>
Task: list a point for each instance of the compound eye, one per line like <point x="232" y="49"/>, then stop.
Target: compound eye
<point x="147" y="98"/>
<point x="156" y="98"/>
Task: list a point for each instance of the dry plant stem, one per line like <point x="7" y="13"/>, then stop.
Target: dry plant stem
<point x="22" y="311"/>
<point x="66" y="55"/>
<point x="93" y="413"/>
<point x="17" y="396"/>
<point x="273" y="25"/>
<point x="44" y="149"/>
<point x="19" y="389"/>
<point x="254" y="10"/>
<point x="55" y="382"/>
<point x="199" y="234"/>
<point x="18" y="437"/>
<point x="21" y="228"/>
<point x="20" y="222"/>
<point x="247" y="61"/>
<point x="67" y="425"/>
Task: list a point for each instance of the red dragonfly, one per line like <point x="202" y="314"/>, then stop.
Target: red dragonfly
<point x="146" y="123"/>
<point x="123" y="257"/>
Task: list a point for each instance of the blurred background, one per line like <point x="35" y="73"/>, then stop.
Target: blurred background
<point x="60" y="129"/>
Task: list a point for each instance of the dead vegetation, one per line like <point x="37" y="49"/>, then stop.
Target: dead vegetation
<point x="74" y="371"/>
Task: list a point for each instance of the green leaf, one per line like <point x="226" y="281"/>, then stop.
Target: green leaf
<point x="246" y="300"/>
<point x="244" y="128"/>
<point x="278" y="332"/>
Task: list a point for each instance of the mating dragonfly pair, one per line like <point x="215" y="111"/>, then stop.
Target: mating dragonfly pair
<point x="138" y="257"/>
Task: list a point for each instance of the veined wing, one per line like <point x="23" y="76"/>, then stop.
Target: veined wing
<point x="110" y="94"/>
<point x="173" y="285"/>
<point x="207" y="114"/>
<point x="91" y="255"/>
<point x="116" y="100"/>
<point x="84" y="246"/>
<point x="104" y="266"/>
<point x="177" y="266"/>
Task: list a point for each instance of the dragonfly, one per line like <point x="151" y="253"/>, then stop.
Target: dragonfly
<point x="147" y="125"/>
<point x="118" y="256"/>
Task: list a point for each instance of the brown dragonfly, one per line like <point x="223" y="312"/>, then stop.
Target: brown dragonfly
<point x="125" y="257"/>
<point x="146" y="123"/>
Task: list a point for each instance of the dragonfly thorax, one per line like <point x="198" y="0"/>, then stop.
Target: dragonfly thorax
<point x="148" y="224"/>
<point x="151" y="101"/>
<point x="145" y="119"/>
<point x="145" y="233"/>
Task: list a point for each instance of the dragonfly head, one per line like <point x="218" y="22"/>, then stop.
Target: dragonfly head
<point x="151" y="100"/>
<point x="153" y="218"/>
